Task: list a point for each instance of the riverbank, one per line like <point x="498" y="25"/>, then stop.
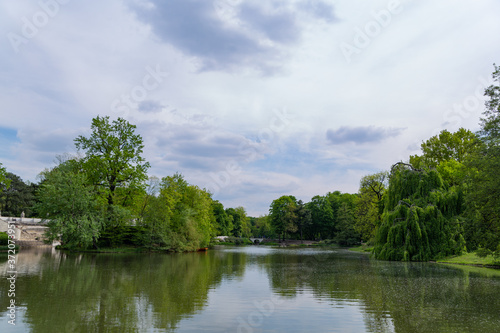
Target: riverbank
<point x="471" y="259"/>
<point x="468" y="259"/>
<point x="362" y="249"/>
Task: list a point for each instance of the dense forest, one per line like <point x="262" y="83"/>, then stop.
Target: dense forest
<point x="442" y="202"/>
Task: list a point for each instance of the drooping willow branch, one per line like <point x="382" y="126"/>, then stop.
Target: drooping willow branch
<point x="408" y="166"/>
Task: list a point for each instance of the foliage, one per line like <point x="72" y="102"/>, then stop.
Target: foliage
<point x="346" y="234"/>
<point x="4" y="238"/>
<point x="113" y="156"/>
<point x="4" y="181"/>
<point x="490" y="124"/>
<point x="343" y="207"/>
<point x="187" y="213"/>
<point x="237" y="241"/>
<point x="224" y="223"/>
<point x="370" y="204"/>
<point x="421" y="217"/>
<point x="283" y="215"/>
<point x="445" y="147"/>
<point x="483" y="197"/>
<point x="238" y="218"/>
<point x="155" y="222"/>
<point x="304" y="218"/>
<point x="261" y="227"/>
<point x="72" y="207"/>
<point x="120" y="236"/>
<point x="322" y="217"/>
<point x="19" y="197"/>
<point x="376" y="183"/>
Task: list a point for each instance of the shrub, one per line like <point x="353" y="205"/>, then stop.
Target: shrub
<point x="4" y="238"/>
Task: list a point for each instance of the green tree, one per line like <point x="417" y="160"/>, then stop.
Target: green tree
<point x="346" y="235"/>
<point x="263" y="228"/>
<point x="4" y="181"/>
<point x="156" y="221"/>
<point x="370" y="204"/>
<point x="189" y="215"/>
<point x="421" y="219"/>
<point x="445" y="147"/>
<point x="283" y="215"/>
<point x="113" y="156"/>
<point x="151" y="190"/>
<point x="224" y="224"/>
<point x="238" y="218"/>
<point x="19" y="197"/>
<point x="304" y="218"/>
<point x="71" y="205"/>
<point x="322" y="217"/>
<point x="484" y="194"/>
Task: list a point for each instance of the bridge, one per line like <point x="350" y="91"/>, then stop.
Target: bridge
<point x="29" y="231"/>
<point x="253" y="239"/>
<point x="257" y="240"/>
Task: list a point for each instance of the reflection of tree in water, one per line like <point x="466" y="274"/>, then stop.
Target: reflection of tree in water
<point x="120" y="292"/>
<point x="401" y="297"/>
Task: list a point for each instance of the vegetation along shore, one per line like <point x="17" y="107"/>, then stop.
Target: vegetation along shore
<point x="442" y="205"/>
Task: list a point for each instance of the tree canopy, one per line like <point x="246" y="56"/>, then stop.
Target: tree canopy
<point x="71" y="205"/>
<point x="445" y="147"/>
<point x="113" y="156"/>
<point x="484" y="194"/>
<point x="4" y="181"/>
<point x="283" y="215"/>
<point x="421" y="217"/>
<point x="18" y="197"/>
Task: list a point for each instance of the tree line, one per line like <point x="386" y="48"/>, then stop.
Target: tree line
<point x="442" y="202"/>
<point x="445" y="201"/>
<point x="104" y="198"/>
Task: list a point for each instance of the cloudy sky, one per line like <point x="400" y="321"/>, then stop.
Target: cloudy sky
<point x="251" y="99"/>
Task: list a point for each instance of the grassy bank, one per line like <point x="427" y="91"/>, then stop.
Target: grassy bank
<point x="471" y="259"/>
<point x="362" y="249"/>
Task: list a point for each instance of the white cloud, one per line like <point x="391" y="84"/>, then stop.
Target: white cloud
<point x="258" y="57"/>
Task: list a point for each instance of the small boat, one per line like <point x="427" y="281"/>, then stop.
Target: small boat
<point x="203" y="249"/>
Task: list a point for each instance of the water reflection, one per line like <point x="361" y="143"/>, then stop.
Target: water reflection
<point x="252" y="289"/>
<point x="417" y="297"/>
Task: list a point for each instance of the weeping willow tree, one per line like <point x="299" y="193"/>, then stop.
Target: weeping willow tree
<point x="421" y="219"/>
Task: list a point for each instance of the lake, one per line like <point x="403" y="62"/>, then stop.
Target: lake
<point x="245" y="289"/>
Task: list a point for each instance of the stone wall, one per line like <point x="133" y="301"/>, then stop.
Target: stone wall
<point x="29" y="232"/>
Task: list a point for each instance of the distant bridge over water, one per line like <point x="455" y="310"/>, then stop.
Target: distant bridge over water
<point x="257" y="240"/>
<point x="29" y="231"/>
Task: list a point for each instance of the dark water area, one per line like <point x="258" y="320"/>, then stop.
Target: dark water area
<point x="245" y="289"/>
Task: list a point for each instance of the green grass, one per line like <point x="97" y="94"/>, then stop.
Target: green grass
<point x="470" y="259"/>
<point x="270" y="243"/>
<point x="362" y="249"/>
<point x="485" y="271"/>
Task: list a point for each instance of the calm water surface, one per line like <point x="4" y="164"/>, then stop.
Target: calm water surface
<point x="246" y="289"/>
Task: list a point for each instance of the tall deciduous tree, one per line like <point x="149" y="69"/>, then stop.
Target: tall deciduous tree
<point x="484" y="194"/>
<point x="238" y="218"/>
<point x="19" y="197"/>
<point x="304" y="219"/>
<point x="370" y="204"/>
<point x="323" y="218"/>
<point x="188" y="213"/>
<point x="4" y="181"/>
<point x="71" y="205"/>
<point x="113" y="156"/>
<point x="421" y="217"/>
<point x="444" y="147"/>
<point x="224" y="224"/>
<point x="283" y="215"/>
